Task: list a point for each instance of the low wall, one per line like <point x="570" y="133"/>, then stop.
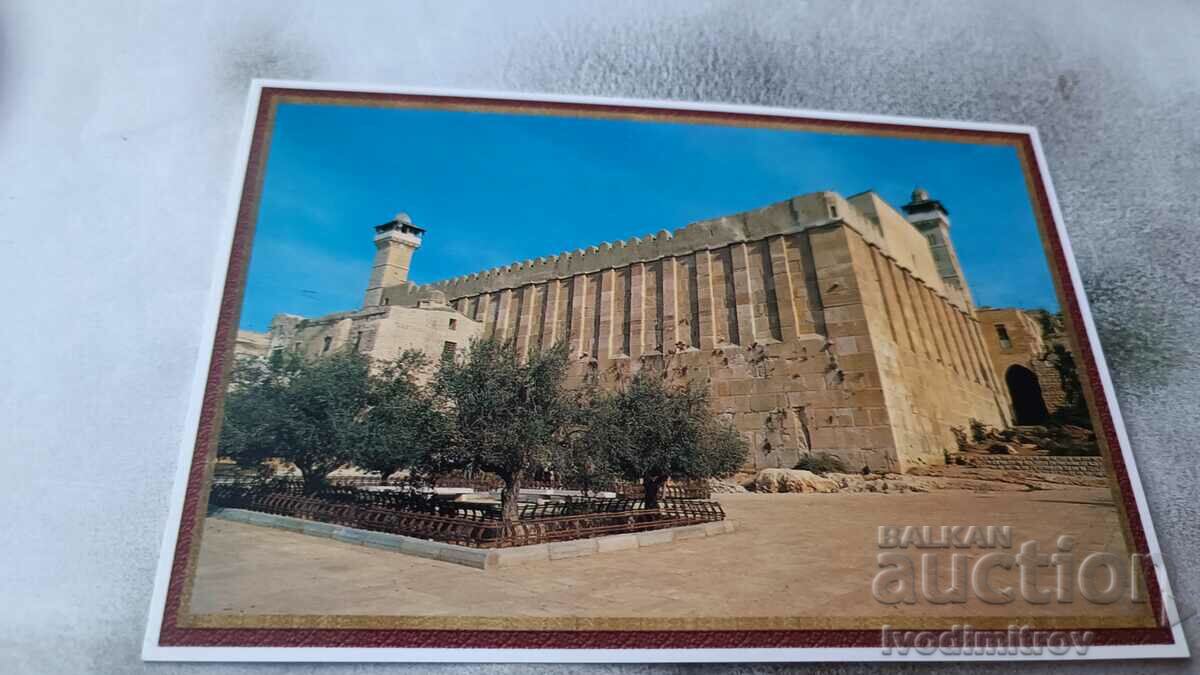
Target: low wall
<point x="483" y="559"/>
<point x="1080" y="466"/>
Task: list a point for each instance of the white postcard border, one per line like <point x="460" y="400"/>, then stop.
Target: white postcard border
<point x="152" y="651"/>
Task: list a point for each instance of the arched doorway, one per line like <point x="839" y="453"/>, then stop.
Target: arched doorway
<point x="1026" y="394"/>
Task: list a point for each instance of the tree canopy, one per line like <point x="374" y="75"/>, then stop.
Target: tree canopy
<point x="651" y="432"/>
<point x="309" y="412"/>
<point x="493" y="410"/>
<point x="507" y="411"/>
<point x="405" y="425"/>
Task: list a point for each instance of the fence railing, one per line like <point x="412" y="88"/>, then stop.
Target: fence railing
<point x="697" y="489"/>
<point x="475" y="525"/>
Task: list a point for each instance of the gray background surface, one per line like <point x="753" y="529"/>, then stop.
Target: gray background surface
<point x="118" y="125"/>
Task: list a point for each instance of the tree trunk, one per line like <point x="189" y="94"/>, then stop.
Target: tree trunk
<point x="650" y="489"/>
<point x="510" y="508"/>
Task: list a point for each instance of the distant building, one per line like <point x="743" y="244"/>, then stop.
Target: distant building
<point x="250" y="343"/>
<point x="1018" y="342"/>
<point x="380" y="329"/>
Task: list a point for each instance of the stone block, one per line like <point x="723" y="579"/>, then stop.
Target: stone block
<point x="461" y="555"/>
<point x="382" y="540"/>
<point x="349" y="535"/>
<point x="766" y="402"/>
<point x="655" y="537"/>
<point x="750" y="422"/>
<point x="740" y="387"/>
<point x="507" y="557"/>
<point x="690" y="532"/>
<point x="420" y="548"/>
<point x="316" y="529"/>
<point x="845" y="345"/>
<point x="235" y="515"/>
<point x="866" y="398"/>
<point x="616" y="542"/>
<point x="289" y="524"/>
<point x="259" y="518"/>
<point x="572" y="549"/>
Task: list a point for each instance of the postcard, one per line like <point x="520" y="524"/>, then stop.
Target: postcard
<point x="496" y="377"/>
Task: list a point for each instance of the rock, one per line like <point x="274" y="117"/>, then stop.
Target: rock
<point x="1002" y="448"/>
<point x="1078" y="432"/>
<point x="726" y="486"/>
<point x="792" y="480"/>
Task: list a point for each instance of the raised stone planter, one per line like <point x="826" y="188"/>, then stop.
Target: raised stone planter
<point x="479" y="558"/>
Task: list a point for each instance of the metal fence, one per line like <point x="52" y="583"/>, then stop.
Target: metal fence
<point x="692" y="489"/>
<point x="475" y="525"/>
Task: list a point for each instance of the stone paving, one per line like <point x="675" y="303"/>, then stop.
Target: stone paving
<point x="793" y="555"/>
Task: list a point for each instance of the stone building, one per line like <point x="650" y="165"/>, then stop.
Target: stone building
<point x="821" y="323"/>
<point x="380" y="329"/>
<point x="1017" y="342"/>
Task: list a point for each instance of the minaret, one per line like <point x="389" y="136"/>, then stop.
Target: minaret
<point x="933" y="221"/>
<point x="395" y="242"/>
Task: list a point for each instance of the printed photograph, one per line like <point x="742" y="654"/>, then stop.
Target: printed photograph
<point x="526" y="374"/>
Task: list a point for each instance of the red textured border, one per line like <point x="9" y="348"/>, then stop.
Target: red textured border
<point x="174" y="635"/>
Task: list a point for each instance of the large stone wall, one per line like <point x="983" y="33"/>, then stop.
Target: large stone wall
<point x="928" y="354"/>
<point x="785" y="323"/>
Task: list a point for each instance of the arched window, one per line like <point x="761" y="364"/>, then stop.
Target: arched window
<point x="328" y="342"/>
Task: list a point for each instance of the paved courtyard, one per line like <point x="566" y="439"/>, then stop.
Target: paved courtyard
<point x="793" y="555"/>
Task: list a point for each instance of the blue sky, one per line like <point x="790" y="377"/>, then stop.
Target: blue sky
<point x="493" y="189"/>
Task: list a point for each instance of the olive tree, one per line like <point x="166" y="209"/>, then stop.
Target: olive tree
<point x="651" y="432"/>
<point x="404" y="424"/>
<point x="308" y="412"/>
<point x="579" y="458"/>
<point x="506" y="411"/>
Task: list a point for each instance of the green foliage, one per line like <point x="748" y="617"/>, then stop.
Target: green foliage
<point x="405" y="425"/>
<point x="1074" y="409"/>
<point x="577" y="457"/>
<point x="652" y="432"/>
<point x="508" y="413"/>
<point x="306" y="412"/>
<point x="822" y="463"/>
<point x="1050" y="324"/>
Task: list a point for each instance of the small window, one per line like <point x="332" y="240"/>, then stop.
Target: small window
<point x="1002" y="333"/>
<point x="453" y="324"/>
<point x="296" y="347"/>
<point x="328" y="342"/>
<point x="933" y="238"/>
<point x="448" y="350"/>
<point x="833" y="211"/>
<point x="387" y="301"/>
<point x="357" y="340"/>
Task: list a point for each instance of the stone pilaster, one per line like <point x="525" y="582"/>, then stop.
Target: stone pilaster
<point x="636" y="297"/>
<point x="746" y="293"/>
<point x="710" y="332"/>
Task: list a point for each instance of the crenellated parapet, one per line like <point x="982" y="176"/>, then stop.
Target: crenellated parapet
<point x="789" y="216"/>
